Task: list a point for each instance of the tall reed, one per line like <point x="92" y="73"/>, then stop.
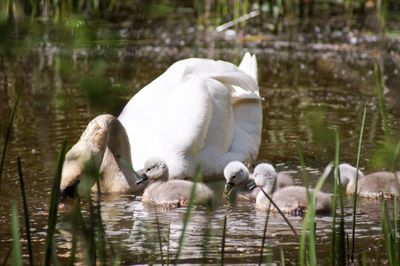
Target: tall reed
<point x="223" y="241"/>
<point x="16" y="245"/>
<point x="188" y="212"/>
<point x="355" y="195"/>
<point x="8" y="135"/>
<point x="260" y="261"/>
<point x="279" y="211"/>
<point x="49" y="253"/>
<point x="26" y="212"/>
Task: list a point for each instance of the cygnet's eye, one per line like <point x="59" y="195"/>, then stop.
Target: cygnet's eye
<point x="233" y="177"/>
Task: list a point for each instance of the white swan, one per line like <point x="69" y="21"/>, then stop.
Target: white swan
<point x="170" y="193"/>
<point x="198" y="112"/>
<point x="289" y="199"/>
<point x="374" y="185"/>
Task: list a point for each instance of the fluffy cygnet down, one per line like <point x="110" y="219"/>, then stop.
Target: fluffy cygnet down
<point x="290" y="199"/>
<point x="170" y="193"/>
<point x="374" y="185"/>
<point x="239" y="179"/>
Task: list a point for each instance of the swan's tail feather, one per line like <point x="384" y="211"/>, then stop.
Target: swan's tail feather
<point x="243" y="85"/>
<point x="249" y="65"/>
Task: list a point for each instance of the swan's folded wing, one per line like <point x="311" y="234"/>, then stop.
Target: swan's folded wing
<point x="185" y="115"/>
<point x="248" y="126"/>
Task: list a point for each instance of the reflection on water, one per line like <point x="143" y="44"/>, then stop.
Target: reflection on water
<point x="310" y="90"/>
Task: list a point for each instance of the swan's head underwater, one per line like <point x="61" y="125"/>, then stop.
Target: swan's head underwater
<point x="155" y="169"/>
<point x="348" y="173"/>
<point x="79" y="162"/>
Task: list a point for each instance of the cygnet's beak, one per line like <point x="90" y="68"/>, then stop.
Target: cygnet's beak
<point x="251" y="185"/>
<point x="228" y="187"/>
<point x="142" y="179"/>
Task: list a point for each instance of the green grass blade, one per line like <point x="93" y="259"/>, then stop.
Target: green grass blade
<point x="264" y="235"/>
<point x="309" y="222"/>
<point x="342" y="232"/>
<point x="187" y="215"/>
<point x="336" y="183"/>
<point x="223" y="242"/>
<point x="353" y="232"/>
<point x="26" y="212"/>
<point x="394" y="158"/>
<point x="311" y="212"/>
<point x="282" y="258"/>
<point x="395" y="239"/>
<point x="387" y="233"/>
<point x="16" y="245"/>
<point x="303" y="238"/>
<point x="54" y="201"/>
<point x="8" y="135"/>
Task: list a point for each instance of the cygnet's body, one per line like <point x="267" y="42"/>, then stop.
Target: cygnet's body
<point x="374" y="185"/>
<point x="170" y="193"/>
<point x="238" y="177"/>
<point x="284" y="180"/>
<point x="290" y="199"/>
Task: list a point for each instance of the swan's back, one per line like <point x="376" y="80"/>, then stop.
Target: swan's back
<point x="176" y="193"/>
<point x="199" y="111"/>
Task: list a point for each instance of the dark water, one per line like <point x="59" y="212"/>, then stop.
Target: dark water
<point x="311" y="88"/>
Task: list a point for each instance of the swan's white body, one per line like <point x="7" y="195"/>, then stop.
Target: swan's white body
<point x="198" y="112"/>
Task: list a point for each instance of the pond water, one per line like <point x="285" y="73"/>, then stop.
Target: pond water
<point x="311" y="87"/>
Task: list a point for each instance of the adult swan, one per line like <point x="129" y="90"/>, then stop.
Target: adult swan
<point x="198" y="112"/>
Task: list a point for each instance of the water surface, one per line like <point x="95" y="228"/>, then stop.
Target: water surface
<point x="311" y="86"/>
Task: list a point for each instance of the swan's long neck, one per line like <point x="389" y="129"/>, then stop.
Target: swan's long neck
<point x="111" y="153"/>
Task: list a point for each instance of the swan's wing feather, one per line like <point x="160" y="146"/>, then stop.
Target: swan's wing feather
<point x="248" y="126"/>
<point x="249" y="65"/>
<point x="185" y="114"/>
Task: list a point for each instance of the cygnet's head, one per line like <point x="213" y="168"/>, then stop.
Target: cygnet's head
<point x="265" y="176"/>
<point x="155" y="169"/>
<point x="347" y="173"/>
<point x="235" y="173"/>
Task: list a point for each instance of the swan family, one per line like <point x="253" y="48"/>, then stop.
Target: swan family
<point x="198" y="113"/>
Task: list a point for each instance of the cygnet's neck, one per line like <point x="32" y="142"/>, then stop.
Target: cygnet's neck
<point x="270" y="187"/>
<point x="350" y="173"/>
